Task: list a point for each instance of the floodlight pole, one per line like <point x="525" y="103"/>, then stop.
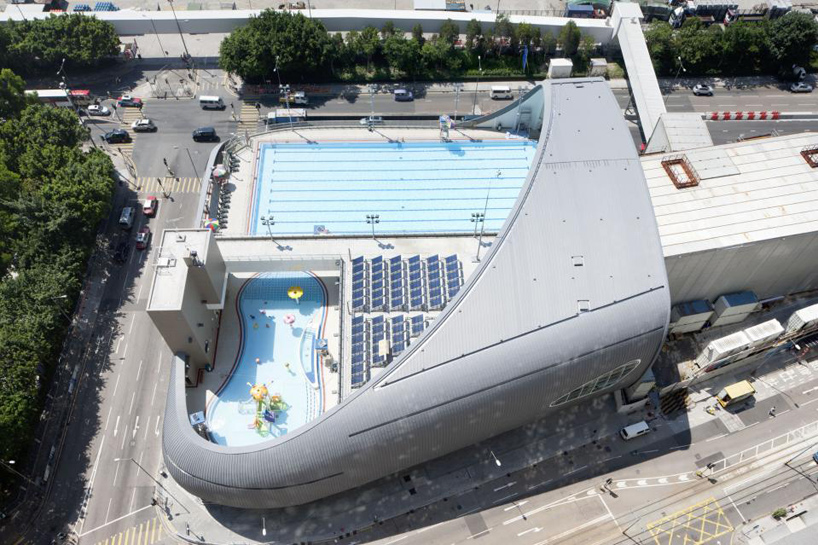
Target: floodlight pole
<point x="372" y="219"/>
<point x="269" y="222"/>
<point x="483" y="224"/>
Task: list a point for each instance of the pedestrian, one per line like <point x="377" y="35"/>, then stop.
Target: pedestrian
<point x="772" y="410"/>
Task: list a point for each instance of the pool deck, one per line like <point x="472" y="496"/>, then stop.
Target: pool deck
<point x="242" y="183"/>
<point x="228" y="346"/>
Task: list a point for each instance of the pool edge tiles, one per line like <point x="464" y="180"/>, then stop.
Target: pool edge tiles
<point x="421" y="187"/>
<point x="268" y="392"/>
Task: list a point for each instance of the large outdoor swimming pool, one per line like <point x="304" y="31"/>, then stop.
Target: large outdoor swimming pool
<point x="277" y="351"/>
<point x="415" y="187"/>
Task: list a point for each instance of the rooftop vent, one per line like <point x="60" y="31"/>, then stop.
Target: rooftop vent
<point x="810" y="155"/>
<point x="180" y="237"/>
<point x="680" y="171"/>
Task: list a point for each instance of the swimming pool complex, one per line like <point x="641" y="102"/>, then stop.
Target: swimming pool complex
<point x="277" y="350"/>
<point x="415" y="187"/>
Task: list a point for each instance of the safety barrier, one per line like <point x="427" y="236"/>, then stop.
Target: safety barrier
<point x="739" y="116"/>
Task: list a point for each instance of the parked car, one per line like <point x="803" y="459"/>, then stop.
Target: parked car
<point x="128" y="101"/>
<point x="372" y="119"/>
<point x="142" y="238"/>
<point x="123" y="250"/>
<point x="815" y="457"/>
<point x="701" y="89"/>
<point x="205" y="134"/>
<point x="116" y="136"/>
<point x="149" y="206"/>
<point x="801" y="87"/>
<point x="402" y="95"/>
<point x="143" y="125"/>
<point x="98" y="109"/>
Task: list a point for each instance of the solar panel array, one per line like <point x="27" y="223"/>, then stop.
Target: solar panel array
<point x="395" y="285"/>
<point x="398" y="285"/>
<point x="367" y="336"/>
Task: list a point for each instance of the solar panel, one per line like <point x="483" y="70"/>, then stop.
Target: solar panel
<point x="398" y="347"/>
<point x="416" y="303"/>
<point x="395" y="261"/>
<point x="453" y="290"/>
<point x="358" y="260"/>
<point x="358" y="319"/>
<point x="416" y="324"/>
<point x="358" y="304"/>
<point x="451" y="259"/>
<point x="413" y="262"/>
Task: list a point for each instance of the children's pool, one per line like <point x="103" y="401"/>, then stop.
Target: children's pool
<point x="277" y="351"/>
<point x="414" y="187"/>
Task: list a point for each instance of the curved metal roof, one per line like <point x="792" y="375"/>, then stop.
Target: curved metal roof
<point x="573" y="287"/>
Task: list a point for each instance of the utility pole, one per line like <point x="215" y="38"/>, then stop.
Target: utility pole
<point x="480" y="65"/>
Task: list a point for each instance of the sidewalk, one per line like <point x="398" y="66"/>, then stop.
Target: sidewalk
<point x="800" y="526"/>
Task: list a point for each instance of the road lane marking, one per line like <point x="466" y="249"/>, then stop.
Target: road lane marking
<point x="516" y="504"/>
<point x="401" y="538"/>
<point x="108" y="512"/>
<point x="135" y="427"/>
<point x="618" y="527"/>
<point x="139" y="370"/>
<point x="91" y="485"/>
<point x="116" y="426"/>
<point x="578" y="469"/>
<point x="575" y="529"/>
<point x="736" y="508"/>
<point x="124" y="436"/>
<point x="147" y="429"/>
<point x="116" y="474"/>
<point x="535" y="530"/>
<point x="125" y="352"/>
<point x="139" y="295"/>
<point x="532" y="487"/>
<point x="512" y="483"/>
<point x="118" y="343"/>
<point x="126" y="515"/>
<point x="133" y="396"/>
<point x="156" y="431"/>
<point x="108" y="418"/>
<point x="133" y="497"/>
<point x="155" y="384"/>
<point x="116" y="385"/>
<point x="717" y="437"/>
<point x="505" y="498"/>
<point x="133" y="320"/>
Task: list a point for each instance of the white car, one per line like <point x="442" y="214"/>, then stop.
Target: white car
<point x="372" y="119"/>
<point x="143" y="125"/>
<point x="97" y="109"/>
<point x="700" y="89"/>
<point x="801" y="87"/>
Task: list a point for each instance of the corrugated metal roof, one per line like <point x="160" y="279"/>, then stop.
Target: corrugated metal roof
<point x="763" y="189"/>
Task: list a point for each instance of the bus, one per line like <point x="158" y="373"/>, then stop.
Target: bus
<point x="62" y="98"/>
<point x="735" y="393"/>
<point x="283" y="115"/>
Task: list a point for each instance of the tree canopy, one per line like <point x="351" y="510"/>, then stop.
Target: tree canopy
<point x="38" y="45"/>
<point x="53" y="195"/>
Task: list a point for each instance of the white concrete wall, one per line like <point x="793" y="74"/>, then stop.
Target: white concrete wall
<point x="128" y="22"/>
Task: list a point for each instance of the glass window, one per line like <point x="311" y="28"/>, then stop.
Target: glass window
<point x="600" y="383"/>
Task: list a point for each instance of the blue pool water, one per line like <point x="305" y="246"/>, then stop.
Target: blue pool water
<point x="266" y="336"/>
<point x="416" y="187"/>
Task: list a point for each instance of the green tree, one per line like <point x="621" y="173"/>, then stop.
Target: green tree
<point x="792" y="38"/>
<point x="585" y="51"/>
<point x="12" y="96"/>
<point x="745" y="48"/>
<point x="294" y="43"/>
<point x="503" y="32"/>
<point x="403" y="55"/>
<point x="474" y="35"/>
<point x="417" y="34"/>
<point x="37" y="45"/>
<point x="370" y="44"/>
<point x="388" y="29"/>
<point x="449" y="32"/>
<point x="659" y="38"/>
<point x="526" y="35"/>
<point x="698" y="46"/>
<point x="569" y="38"/>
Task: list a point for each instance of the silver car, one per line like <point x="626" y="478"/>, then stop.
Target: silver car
<point x="700" y="89"/>
<point x="801" y="87"/>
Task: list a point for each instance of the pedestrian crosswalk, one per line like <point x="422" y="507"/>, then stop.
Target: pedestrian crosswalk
<point x="169" y="184"/>
<point x="146" y="533"/>
<point x="249" y="116"/>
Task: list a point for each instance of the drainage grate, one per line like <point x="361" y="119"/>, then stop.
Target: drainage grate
<point x="680" y="171"/>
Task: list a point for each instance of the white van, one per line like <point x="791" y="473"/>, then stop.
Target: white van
<point x="211" y="103"/>
<point x="127" y="216"/>
<point x="501" y="92"/>
<point x="634" y="430"/>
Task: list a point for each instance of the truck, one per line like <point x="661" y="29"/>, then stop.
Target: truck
<point x="299" y="97"/>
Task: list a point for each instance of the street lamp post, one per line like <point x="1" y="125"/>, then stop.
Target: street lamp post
<point x="372" y="219"/>
<point x="457" y="87"/>
<point x="59" y="306"/>
<point x="286" y="91"/>
<point x="264" y="526"/>
<point x="476" y="219"/>
<point x="269" y="222"/>
<point x="681" y="69"/>
<point x="178" y="26"/>
<point x="476" y="87"/>
<point x="8" y="467"/>
<point x="496" y="460"/>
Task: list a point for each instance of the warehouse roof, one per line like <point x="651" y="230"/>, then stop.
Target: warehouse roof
<point x="740" y="193"/>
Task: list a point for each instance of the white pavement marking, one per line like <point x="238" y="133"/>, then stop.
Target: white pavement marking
<point x="516" y="504"/>
<point x="126" y="515"/>
<point x="147" y="428"/>
<point x="133" y="396"/>
<point x="577" y="469"/>
<point x="716" y="438"/>
<point x="133" y="319"/>
<point x="116" y="474"/>
<point x="533" y="486"/>
<point x="736" y="508"/>
<point x="133" y="497"/>
<point x="396" y="540"/>
<point x="575" y="529"/>
<point x="90" y="485"/>
<point x="609" y="459"/>
<point x="125" y="352"/>
<point x="535" y="530"/>
<point x="505" y="498"/>
<point x="116" y="386"/>
<point x="124" y="436"/>
<point x="139" y="466"/>
<point x="156" y="431"/>
<point x="810" y="401"/>
<point x="139" y="294"/>
<point x="139" y="371"/>
<point x="118" y="343"/>
<point x="155" y="384"/>
<point x="473" y="535"/>
<point x="111" y="408"/>
<point x="610" y="513"/>
<point x="108" y="512"/>
<point x="135" y="427"/>
<point x="116" y="426"/>
<point x="512" y="483"/>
